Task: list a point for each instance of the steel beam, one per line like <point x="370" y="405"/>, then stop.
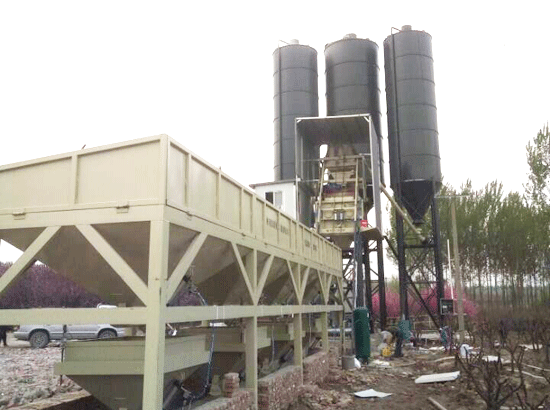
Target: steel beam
<point x="114" y="260"/>
<point x="183" y="265"/>
<point x="153" y="375"/>
<point x="27" y="258"/>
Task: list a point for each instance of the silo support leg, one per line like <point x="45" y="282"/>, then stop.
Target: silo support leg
<point x="153" y="377"/>
<point x="251" y="356"/>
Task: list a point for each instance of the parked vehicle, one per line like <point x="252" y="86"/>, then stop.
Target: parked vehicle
<point x="40" y="335"/>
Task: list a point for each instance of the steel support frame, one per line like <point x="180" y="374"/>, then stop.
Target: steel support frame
<point x="377" y="248"/>
<point x="363" y="279"/>
<point x="156" y="293"/>
<point x="408" y="266"/>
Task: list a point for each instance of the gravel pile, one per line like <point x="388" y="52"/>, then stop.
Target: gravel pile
<point x="26" y="375"/>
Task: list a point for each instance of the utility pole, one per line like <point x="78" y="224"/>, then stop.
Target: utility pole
<point x="458" y="275"/>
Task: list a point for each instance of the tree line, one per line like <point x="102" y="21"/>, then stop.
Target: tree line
<point x="503" y="238"/>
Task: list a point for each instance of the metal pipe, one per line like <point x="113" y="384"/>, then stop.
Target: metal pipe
<point x="450" y="271"/>
<point x="437" y="256"/>
<point x="402" y="213"/>
<point x="381" y="284"/>
<point x="458" y="273"/>
<point x="403" y="274"/>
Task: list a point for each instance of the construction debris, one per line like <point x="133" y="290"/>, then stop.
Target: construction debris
<point x="438" y="377"/>
<point x="371" y="393"/>
<point x="436" y="404"/>
<point x="380" y="363"/>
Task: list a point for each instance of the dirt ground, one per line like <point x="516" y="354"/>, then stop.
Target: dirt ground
<point x="397" y="379"/>
<point x="337" y="391"/>
<point x="395" y="376"/>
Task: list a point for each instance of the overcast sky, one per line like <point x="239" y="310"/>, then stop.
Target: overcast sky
<point x="98" y="72"/>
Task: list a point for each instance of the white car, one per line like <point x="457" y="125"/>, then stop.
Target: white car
<point x="40" y="335"/>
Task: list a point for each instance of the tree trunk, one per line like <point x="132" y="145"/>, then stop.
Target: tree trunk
<point x="480" y="288"/>
<point x="513" y="291"/>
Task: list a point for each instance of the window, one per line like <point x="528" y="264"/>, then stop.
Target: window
<point x="275" y="198"/>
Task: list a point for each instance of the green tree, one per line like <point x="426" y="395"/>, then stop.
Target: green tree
<point x="537" y="193"/>
<point x="537" y="188"/>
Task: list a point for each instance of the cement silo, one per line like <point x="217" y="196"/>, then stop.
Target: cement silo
<point x="412" y="119"/>
<point x="352" y="81"/>
<point x="295" y="95"/>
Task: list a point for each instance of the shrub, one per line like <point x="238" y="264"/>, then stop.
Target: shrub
<point x="40" y="286"/>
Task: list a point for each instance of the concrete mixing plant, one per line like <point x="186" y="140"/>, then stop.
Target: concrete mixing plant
<point x="146" y="222"/>
<point x="334" y="193"/>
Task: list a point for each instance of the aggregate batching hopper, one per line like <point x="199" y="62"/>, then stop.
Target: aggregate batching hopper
<point x="135" y="222"/>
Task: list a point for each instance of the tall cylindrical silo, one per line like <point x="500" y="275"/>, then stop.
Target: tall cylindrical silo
<point x="296" y="95"/>
<point x="352" y="80"/>
<point x="412" y="119"/>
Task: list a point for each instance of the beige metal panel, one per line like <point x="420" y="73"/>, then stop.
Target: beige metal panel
<point x="124" y="174"/>
<point x="203" y="189"/>
<point x="194" y="313"/>
<point x="137" y="315"/>
<point x="72" y="255"/>
<point x="271" y="231"/>
<point x="285" y="239"/>
<point x="258" y="217"/>
<point x="293" y="235"/>
<point x="285" y="331"/>
<point x="96" y="367"/>
<point x="307" y="241"/>
<point x="315" y="251"/>
<point x="111" y="357"/>
<point x="36" y="185"/>
<point x="105" y="350"/>
<point x="234" y="341"/>
<point x="105" y="176"/>
<point x="52" y="316"/>
<point x="247" y="199"/>
<point x="202" y="225"/>
<point x="10" y="224"/>
<point x="300" y="239"/>
<point x="230" y="203"/>
<point x="212" y="194"/>
<point x="178" y="164"/>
